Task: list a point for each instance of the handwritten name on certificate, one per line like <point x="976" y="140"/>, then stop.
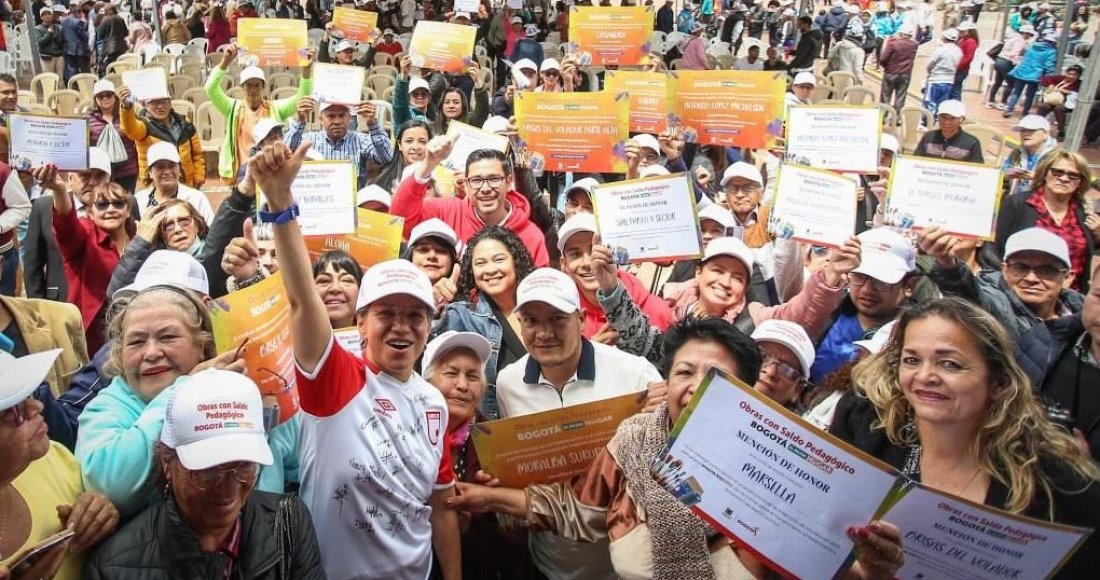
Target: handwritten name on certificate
<point x="583" y="132"/>
<point x="813" y="206"/>
<point x="949" y="538"/>
<point x="616" y="35"/>
<point x="648" y="98"/>
<point x="335" y="83"/>
<point x="760" y="474"/>
<point x="553" y="445"/>
<point x="325" y="192"/>
<point x="961" y="198"/>
<point x="653" y="219"/>
<point x="835" y="137"/>
<point x="39" y="139"/>
<point x="467" y="139"/>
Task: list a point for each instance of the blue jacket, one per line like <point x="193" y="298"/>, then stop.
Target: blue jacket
<point x="1038" y="61"/>
<point x="835" y="19"/>
<point x="75" y="32"/>
<point x="885" y="26"/>
<point x="685" y="21"/>
<point x="477" y="317"/>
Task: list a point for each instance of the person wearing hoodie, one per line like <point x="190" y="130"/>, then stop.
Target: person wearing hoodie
<point x="833" y="25"/>
<point x="665" y="18"/>
<point x="847" y="55"/>
<point x="490" y="199"/>
<point x="941" y="70"/>
<point x="1038" y="61"/>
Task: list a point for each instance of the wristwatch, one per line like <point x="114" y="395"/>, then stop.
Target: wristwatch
<point x="281" y="217"/>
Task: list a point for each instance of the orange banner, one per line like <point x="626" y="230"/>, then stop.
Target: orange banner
<point x="585" y="132"/>
<point x="357" y="25"/>
<point x="553" y="445"/>
<point x="260" y="314"/>
<point x="272" y="41"/>
<point x="377" y="238"/>
<point x="604" y="35"/>
<point x="648" y="93"/>
<point x="726" y="107"/>
<point x="442" y="46"/>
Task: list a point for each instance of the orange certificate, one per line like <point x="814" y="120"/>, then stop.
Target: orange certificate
<point x="553" y="445"/>
<point x="728" y="107"/>
<point x="584" y="132"/>
<point x="610" y="34"/>
<point x="272" y="41"/>
<point x="648" y="93"/>
<point x="442" y="46"/>
<point x="357" y="25"/>
<point x="377" y="238"/>
<point x="260" y="314"/>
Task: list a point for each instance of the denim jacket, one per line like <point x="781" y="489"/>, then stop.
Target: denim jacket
<point x="477" y="317"/>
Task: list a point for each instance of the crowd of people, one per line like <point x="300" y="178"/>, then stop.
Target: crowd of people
<point x="965" y="364"/>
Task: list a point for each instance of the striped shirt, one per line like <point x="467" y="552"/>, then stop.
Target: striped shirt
<point x="359" y="148"/>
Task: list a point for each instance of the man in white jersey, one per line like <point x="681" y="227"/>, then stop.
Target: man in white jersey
<point x="374" y="462"/>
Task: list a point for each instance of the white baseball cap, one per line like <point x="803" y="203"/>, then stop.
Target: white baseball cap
<point x="388" y="31"/>
<point x="216" y="417"/>
<point x="453" y="339"/>
<point x="19" y="377"/>
<point x="373" y="193"/>
<point x="586" y="185"/>
<point x="732" y="247"/>
<point x="161" y="151"/>
<point x="517" y="20"/>
<point x="549" y="286"/>
<point x="458" y="15"/>
<point x="343" y="45"/>
<point x="550" y="64"/>
<point x="1033" y="123"/>
<point x="743" y="170"/>
<point x="1038" y="240"/>
<point x="966" y="25"/>
<point x="98" y="159"/>
<point x="717" y="213"/>
<point x="392" y="278"/>
<point x="252" y="72"/>
<point x="329" y="105"/>
<point x="103" y="86"/>
<point x="886" y="255"/>
<point x="646" y="141"/>
<point x="263" y="128"/>
<point x="879" y="339"/>
<point x="653" y="170"/>
<point x="791" y="335"/>
<point x="889" y="143"/>
<point x="580" y="222"/>
<point x="418" y="83"/>
<point x="526" y="63"/>
<point x="168" y="268"/>
<point x="804" y="78"/>
<point x="951" y="34"/>
<point x="952" y="107"/>
<point x="433" y="228"/>
<point x="495" y="124"/>
<point x="907" y="30"/>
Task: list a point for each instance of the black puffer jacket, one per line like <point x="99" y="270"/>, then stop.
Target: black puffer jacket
<point x="158" y="545"/>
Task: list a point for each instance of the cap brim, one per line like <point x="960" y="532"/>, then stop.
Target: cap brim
<point x="560" y="305"/>
<point x="24" y="376"/>
<point x="251" y="447"/>
<point x="747" y="262"/>
<point x="482" y="348"/>
<point x="882" y="269"/>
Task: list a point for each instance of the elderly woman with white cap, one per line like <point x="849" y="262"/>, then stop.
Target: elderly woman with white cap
<point x="209" y="519"/>
<point x="40" y="481"/>
<point x="788" y="353"/>
<point x="104" y="113"/>
<point x="242" y="115"/>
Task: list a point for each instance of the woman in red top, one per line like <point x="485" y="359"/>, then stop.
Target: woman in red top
<point x="217" y="29"/>
<point x="968" y="44"/>
<point x="90" y="246"/>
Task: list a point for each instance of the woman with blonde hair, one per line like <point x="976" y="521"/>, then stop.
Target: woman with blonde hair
<point x="946" y="403"/>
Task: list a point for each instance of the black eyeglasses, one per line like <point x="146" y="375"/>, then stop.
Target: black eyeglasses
<point x="1060" y="173"/>
<point x="494" y="181"/>
<point x="115" y="203"/>
<point x="17" y="414"/>
<point x="1045" y="272"/>
<point x="856" y="279"/>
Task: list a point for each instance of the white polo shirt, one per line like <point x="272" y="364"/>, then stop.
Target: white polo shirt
<point x="372" y="451"/>
<point x="602" y="373"/>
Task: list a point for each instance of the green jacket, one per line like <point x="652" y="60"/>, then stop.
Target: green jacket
<point x="281" y="110"/>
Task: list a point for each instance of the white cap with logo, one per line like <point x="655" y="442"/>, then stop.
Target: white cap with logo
<point x="886" y="255"/>
<point x="719" y="214"/>
<point x="216" y="417"/>
<point x="744" y="170"/>
<point x="435" y="228"/>
<point x="581" y="222"/>
<point x="791" y="335"/>
<point x="253" y="73"/>
<point x="1038" y="240"/>
<point x="19" y="377"/>
<point x="373" y="192"/>
<point x="393" y="278"/>
<point x="161" y="151"/>
<point x="1033" y="123"/>
<point x="549" y="286"/>
<point x="732" y="247"/>
<point x="453" y="339"/>
<point x="168" y="268"/>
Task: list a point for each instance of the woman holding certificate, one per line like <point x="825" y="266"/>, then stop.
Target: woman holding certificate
<point x="947" y="404"/>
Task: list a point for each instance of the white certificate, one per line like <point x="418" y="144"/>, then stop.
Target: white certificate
<point x="470" y="6"/>
<point x="813" y="206"/>
<point x="948" y="538"/>
<point x="348" y="339"/>
<point x="38" y="139"/>
<point x="837" y="137"/>
<point x="652" y="219"/>
<point x="325" y="192"/>
<point x="961" y="198"/>
<point x="468" y="139"/>
<point x="762" y="475"/>
<point x="146" y="84"/>
<point x="335" y="83"/>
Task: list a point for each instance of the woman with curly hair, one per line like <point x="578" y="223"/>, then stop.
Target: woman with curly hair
<point x="947" y="404"/>
<point x="494" y="263"/>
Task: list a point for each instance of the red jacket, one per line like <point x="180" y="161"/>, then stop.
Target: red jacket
<point x="90" y="257"/>
<point x="659" y="313"/>
<point x="409" y="203"/>
<point x="968" y="45"/>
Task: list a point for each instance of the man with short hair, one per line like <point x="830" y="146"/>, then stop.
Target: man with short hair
<point x="1035" y="142"/>
<point x="948" y="140"/>
<point x="897" y="60"/>
<point x="9" y="98"/>
<point x="752" y="61"/>
<point x="808" y="47"/>
<point x="578" y="197"/>
<point x="74" y="28"/>
<point x="490" y="199"/>
<point x="51" y="42"/>
<point x="336" y="140"/>
<point x="563" y="369"/>
<point x="941" y="70"/>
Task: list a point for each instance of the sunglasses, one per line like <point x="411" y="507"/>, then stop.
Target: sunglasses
<point x="1070" y="175"/>
<point x="115" y="203"/>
